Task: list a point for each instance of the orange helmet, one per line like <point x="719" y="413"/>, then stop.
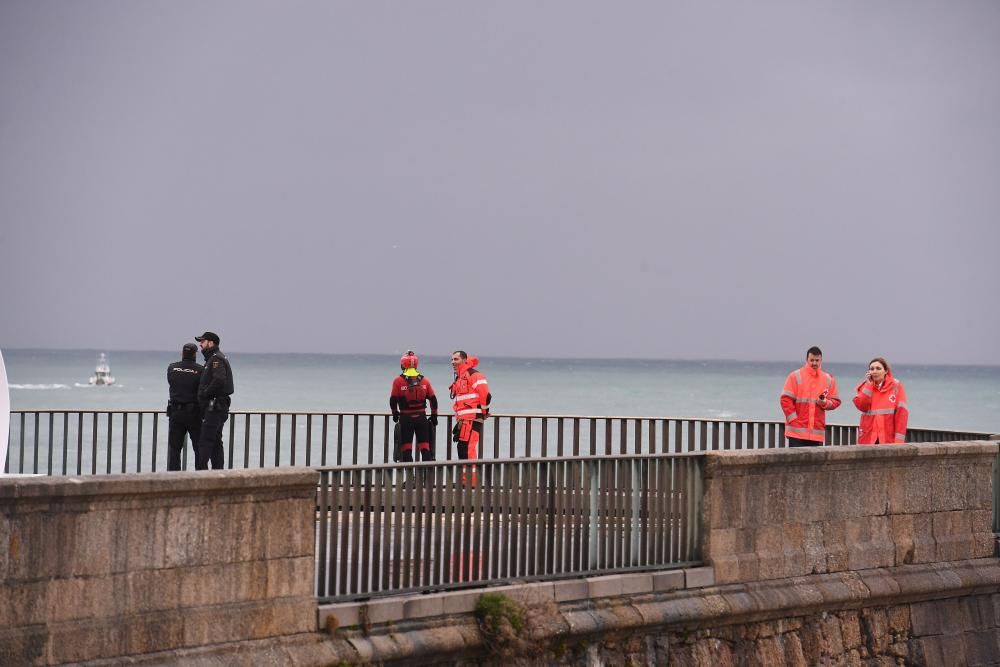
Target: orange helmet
<point x="409" y="360"/>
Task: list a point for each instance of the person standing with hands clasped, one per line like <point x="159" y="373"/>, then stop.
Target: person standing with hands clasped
<point x="183" y="378"/>
<point x="806" y="397"/>
<point x="213" y="396"/>
<point x="882" y="402"/>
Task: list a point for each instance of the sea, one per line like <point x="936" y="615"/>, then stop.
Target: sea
<point x="962" y="398"/>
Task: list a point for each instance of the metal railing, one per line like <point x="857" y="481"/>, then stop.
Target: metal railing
<point x="388" y="529"/>
<point x="80" y="442"/>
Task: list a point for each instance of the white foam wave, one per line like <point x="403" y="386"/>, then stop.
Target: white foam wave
<point x="39" y="386"/>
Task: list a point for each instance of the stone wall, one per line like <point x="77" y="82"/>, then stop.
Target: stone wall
<point x="938" y="614"/>
<point x="101" y="567"/>
<point x="837" y="556"/>
<point x="792" y="512"/>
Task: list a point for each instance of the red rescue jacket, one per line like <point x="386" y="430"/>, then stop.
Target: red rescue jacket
<point x="804" y="418"/>
<point x="884" y="413"/>
<point x="470" y="391"/>
<point x="409" y="395"/>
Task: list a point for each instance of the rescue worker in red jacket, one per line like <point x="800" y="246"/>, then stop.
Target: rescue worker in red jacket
<point x="471" y="393"/>
<point x="882" y="402"/>
<point x="806" y="397"/>
<point x="410" y="393"/>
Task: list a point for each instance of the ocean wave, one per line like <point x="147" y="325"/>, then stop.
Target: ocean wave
<point x="38" y="386"/>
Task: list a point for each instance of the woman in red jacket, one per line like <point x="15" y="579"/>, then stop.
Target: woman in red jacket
<point x="882" y="401"/>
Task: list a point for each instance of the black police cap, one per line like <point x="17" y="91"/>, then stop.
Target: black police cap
<point x="208" y="335"/>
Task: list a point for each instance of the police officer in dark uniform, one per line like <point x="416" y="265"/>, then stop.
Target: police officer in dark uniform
<point x="213" y="397"/>
<point x="183" y="378"/>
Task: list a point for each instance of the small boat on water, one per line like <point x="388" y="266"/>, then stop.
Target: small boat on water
<point x="102" y="374"/>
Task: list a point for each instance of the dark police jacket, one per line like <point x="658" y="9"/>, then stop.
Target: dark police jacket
<point x="184" y="378"/>
<point x="216" y="380"/>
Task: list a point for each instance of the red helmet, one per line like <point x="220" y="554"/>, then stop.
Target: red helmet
<point x="409" y="360"/>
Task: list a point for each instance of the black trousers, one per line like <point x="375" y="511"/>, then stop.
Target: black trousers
<point x="184" y="421"/>
<point x="801" y="442"/>
<point x="409" y="427"/>
<point x="209" y="447"/>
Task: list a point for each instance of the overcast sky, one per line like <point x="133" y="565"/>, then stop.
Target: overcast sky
<point x="594" y="179"/>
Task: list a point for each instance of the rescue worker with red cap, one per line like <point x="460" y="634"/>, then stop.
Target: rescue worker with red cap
<point x="410" y="393"/>
<point x="471" y="393"/>
<point x="806" y="397"/>
<point x="882" y="401"/>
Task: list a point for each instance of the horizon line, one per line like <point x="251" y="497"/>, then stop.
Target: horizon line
<point x="499" y="356"/>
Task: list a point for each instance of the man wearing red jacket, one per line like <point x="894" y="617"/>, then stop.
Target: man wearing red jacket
<point x="807" y="395"/>
<point x="471" y="393"/>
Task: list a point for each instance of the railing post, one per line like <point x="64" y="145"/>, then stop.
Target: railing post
<point x="637" y="491"/>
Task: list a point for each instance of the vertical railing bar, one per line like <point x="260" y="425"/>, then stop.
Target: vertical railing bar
<point x="295" y="428"/>
<point x="79" y="442"/>
<point x="356" y="485"/>
<point x="110" y="427"/>
<point x="48" y="462"/>
<point x="495" y="424"/>
<point x="678" y="508"/>
<point x="246" y="441"/>
<point x="545" y="437"/>
<point x="93" y="455"/>
<point x="322" y="456"/>
<point x="138" y="450"/>
<point x="277" y="441"/>
<point x="512" y="429"/>
<point x="386" y="455"/>
<point x="65" y="439"/>
<point x="367" y="574"/>
<point x="263" y="428"/>
<point x="550" y="528"/>
<point x="20" y="458"/>
<point x="496" y="515"/>
<point x="381" y="519"/>
<point x="340" y="439"/>
<point x="398" y="489"/>
<point x="527" y="434"/>
<point x="371" y="440"/>
<point x="576" y="436"/>
<point x="560" y="437"/>
<point x="421" y="531"/>
<point x="155" y="437"/>
<point x="480" y="526"/>
<point x="344" y="517"/>
<point x="533" y="491"/>
<point x="124" y="439"/>
<point x="355" y="442"/>
<point x="438" y="496"/>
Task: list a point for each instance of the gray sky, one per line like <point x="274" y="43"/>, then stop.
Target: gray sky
<point x="663" y="179"/>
